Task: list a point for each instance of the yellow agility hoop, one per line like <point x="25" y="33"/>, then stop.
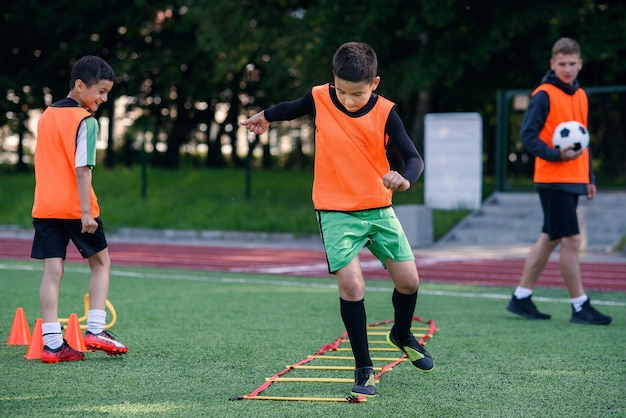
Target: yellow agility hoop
<point x="83" y="318"/>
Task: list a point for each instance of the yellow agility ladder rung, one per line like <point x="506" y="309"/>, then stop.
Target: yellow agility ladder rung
<point x="358" y="399"/>
<point x="380" y="334"/>
<point x="312" y="379"/>
<point x="390" y="349"/>
<point x="412" y="328"/>
<point x="381" y="342"/>
<point x="349" y="368"/>
<point x="352" y="358"/>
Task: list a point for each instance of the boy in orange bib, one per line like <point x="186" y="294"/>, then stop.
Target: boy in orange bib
<point x="66" y="208"/>
<point x="352" y="191"/>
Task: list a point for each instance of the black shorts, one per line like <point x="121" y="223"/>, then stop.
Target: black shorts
<point x="559" y="213"/>
<point x="52" y="237"/>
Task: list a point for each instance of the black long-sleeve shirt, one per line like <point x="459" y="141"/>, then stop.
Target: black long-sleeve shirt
<point x="414" y="164"/>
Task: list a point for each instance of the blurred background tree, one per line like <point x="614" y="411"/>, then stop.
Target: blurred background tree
<point x="188" y="70"/>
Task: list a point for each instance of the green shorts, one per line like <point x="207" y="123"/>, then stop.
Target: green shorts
<point x="345" y="234"/>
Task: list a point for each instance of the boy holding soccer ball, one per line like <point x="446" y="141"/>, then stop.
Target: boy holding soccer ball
<point x="561" y="176"/>
<point x="66" y="208"/>
<point x="352" y="192"/>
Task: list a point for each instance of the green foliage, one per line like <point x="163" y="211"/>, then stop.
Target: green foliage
<point x="177" y="61"/>
<point x="197" y="339"/>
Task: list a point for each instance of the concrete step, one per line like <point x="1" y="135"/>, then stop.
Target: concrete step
<point x="516" y="218"/>
<point x="491" y="236"/>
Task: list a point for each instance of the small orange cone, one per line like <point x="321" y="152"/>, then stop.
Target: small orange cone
<point x="36" y="344"/>
<point x="73" y="334"/>
<point x="20" y="333"/>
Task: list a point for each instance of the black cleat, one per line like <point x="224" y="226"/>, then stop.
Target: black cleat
<point x="526" y="308"/>
<point x="589" y="315"/>
<point x="364" y="382"/>
<point x="416" y="353"/>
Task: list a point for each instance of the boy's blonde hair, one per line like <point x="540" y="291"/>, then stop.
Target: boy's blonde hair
<point x="565" y="46"/>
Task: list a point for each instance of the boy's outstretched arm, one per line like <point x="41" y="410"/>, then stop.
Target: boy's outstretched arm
<point x="294" y="109"/>
<point x="257" y="124"/>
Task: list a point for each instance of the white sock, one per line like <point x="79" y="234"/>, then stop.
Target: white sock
<point x="522" y="292"/>
<point x="577" y="302"/>
<point x="52" y="335"/>
<point x="96" y="319"/>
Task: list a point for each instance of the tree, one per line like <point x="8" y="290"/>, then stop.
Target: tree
<point x="178" y="60"/>
<point x="37" y="62"/>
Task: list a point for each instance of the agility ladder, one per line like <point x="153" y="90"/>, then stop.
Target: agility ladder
<point x="375" y="330"/>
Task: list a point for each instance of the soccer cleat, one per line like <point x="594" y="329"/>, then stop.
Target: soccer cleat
<point x="589" y="315"/>
<point x="106" y="342"/>
<point x="526" y="308"/>
<point x="364" y="382"/>
<point x="417" y="354"/>
<point x="63" y="353"/>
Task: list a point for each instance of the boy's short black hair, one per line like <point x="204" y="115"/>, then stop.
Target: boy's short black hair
<point x="91" y="69"/>
<point x="356" y="62"/>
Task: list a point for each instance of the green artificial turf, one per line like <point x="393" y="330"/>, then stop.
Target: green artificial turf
<point x="197" y="339"/>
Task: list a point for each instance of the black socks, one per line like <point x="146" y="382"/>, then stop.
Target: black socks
<point x="404" y="308"/>
<point x="355" y="321"/>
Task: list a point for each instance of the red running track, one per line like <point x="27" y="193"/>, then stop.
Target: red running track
<point x="489" y="272"/>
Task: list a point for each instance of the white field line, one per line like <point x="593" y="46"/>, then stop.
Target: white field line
<point x="290" y="283"/>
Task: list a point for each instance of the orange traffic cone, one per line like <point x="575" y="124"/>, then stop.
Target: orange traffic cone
<point x="73" y="334"/>
<point x="20" y="333"/>
<point x="36" y="344"/>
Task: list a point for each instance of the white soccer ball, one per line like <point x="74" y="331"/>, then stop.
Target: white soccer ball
<point x="570" y="133"/>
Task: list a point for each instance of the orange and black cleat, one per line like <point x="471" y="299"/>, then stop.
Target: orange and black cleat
<point x="63" y="353"/>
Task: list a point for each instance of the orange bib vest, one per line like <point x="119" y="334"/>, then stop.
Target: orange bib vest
<point x="56" y="190"/>
<point x="563" y="108"/>
<point x="350" y="155"/>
